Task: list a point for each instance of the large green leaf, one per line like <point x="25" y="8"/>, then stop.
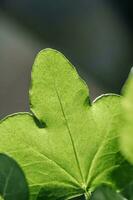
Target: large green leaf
<point x="127" y="127"/>
<point x="66" y="147"/>
<point x="13" y="185"/>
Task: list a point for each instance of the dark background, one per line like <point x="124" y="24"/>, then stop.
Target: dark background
<point x="96" y="36"/>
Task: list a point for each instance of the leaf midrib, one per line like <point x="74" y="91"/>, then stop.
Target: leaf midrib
<point x="69" y="131"/>
<point x="68" y="128"/>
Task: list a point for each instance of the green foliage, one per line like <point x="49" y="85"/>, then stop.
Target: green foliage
<point x="106" y="193"/>
<point x="13" y="185"/>
<point x="67" y="147"/>
<point x="128" y="191"/>
<point x="127" y="126"/>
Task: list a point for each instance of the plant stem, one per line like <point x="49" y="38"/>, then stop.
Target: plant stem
<point x="87" y="195"/>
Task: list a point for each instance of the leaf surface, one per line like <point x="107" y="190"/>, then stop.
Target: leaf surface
<point x="66" y="147"/>
<point x="13" y="185"/>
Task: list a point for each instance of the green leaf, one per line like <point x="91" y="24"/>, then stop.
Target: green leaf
<point x="128" y="191"/>
<point x="106" y="193"/>
<point x="13" y="185"/>
<point x="66" y="147"/>
<point x="124" y="179"/>
<point x="127" y="127"/>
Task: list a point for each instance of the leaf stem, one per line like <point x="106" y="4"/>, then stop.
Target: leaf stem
<point x="87" y="195"/>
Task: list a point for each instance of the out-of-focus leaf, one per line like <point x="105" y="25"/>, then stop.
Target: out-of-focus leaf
<point x="13" y="185"/>
<point x="128" y="191"/>
<point x="127" y="117"/>
<point x="106" y="193"/>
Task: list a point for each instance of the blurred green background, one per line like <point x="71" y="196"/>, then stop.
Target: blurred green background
<point x="96" y="36"/>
